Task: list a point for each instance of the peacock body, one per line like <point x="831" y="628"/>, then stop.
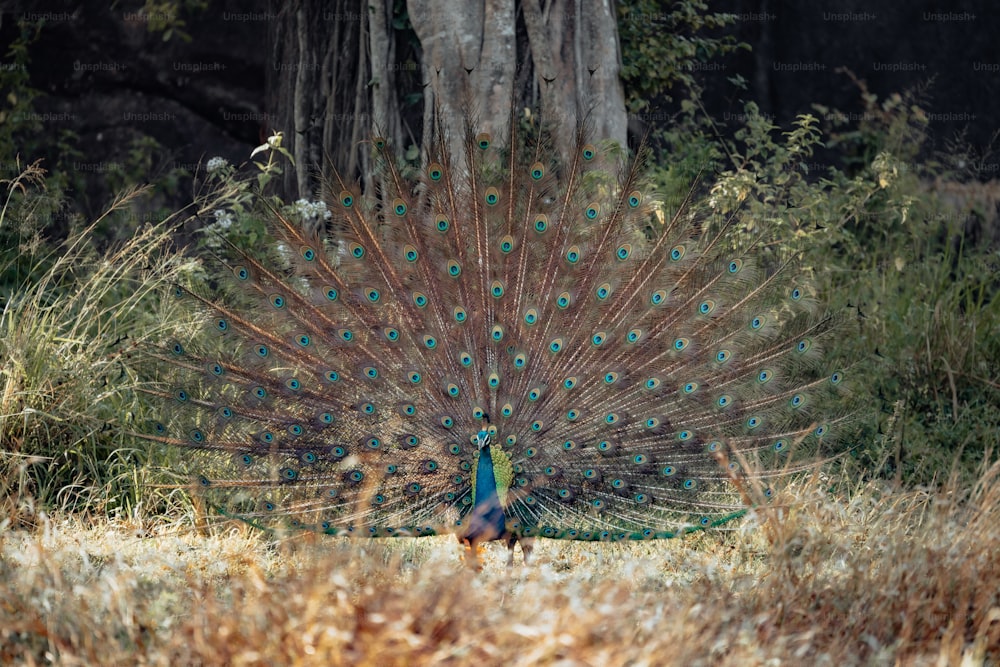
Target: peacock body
<point x="501" y="349"/>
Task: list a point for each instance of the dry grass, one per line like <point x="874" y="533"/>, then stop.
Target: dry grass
<point x="883" y="578"/>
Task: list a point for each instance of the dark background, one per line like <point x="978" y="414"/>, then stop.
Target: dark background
<point x="107" y="79"/>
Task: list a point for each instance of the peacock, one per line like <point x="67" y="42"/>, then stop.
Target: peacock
<point x="505" y="344"/>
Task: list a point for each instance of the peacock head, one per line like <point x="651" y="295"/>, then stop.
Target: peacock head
<point x="482" y="440"/>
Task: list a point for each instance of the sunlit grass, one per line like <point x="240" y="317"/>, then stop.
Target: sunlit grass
<point x="880" y="578"/>
<point x="69" y="327"/>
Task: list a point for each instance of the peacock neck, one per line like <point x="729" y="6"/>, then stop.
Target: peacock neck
<point x="487" y="520"/>
<point x="486" y="481"/>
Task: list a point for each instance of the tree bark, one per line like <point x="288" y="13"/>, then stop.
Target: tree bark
<point x="339" y="77"/>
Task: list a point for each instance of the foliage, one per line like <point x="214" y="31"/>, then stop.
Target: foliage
<point x="888" y="239"/>
<point x="164" y="17"/>
<point x="17" y="117"/>
<point x="665" y="45"/>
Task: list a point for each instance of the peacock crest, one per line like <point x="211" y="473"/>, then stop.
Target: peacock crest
<point x="499" y="348"/>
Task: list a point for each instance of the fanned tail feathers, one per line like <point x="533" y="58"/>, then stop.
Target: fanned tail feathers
<point x="620" y="379"/>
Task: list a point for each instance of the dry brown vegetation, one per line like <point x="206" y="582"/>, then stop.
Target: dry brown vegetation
<point x="882" y="577"/>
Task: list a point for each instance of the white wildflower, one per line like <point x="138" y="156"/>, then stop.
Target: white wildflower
<point x="215" y="164"/>
<point x="311" y="210"/>
<point x="223" y="218"/>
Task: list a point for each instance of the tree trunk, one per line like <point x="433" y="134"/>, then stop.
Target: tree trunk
<point x="344" y="71"/>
